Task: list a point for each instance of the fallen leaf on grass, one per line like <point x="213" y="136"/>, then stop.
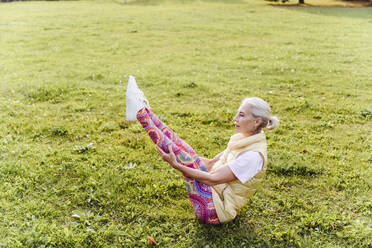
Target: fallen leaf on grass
<point x="151" y="240"/>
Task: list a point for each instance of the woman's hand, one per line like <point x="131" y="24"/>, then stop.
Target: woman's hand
<point x="209" y="163"/>
<point x="170" y="158"/>
<point x="205" y="161"/>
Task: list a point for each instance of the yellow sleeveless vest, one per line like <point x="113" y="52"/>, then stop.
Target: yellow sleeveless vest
<point x="229" y="198"/>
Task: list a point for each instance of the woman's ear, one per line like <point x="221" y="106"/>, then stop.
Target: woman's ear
<point x="258" y="122"/>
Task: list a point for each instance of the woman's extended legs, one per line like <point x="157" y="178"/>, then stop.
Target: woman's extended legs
<point x="200" y="194"/>
<point x="170" y="134"/>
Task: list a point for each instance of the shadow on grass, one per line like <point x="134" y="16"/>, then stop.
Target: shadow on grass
<point x="237" y="233"/>
<point x="360" y="12"/>
<point x="158" y="2"/>
<point x="224" y="1"/>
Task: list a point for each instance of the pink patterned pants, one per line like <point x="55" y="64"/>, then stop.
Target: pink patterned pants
<point x="200" y="194"/>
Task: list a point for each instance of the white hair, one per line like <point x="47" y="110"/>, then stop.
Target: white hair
<point x="261" y="109"/>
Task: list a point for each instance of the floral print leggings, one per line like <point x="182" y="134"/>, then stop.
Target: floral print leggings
<point x="200" y="194"/>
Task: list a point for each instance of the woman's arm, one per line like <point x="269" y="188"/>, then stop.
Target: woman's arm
<point x="221" y="175"/>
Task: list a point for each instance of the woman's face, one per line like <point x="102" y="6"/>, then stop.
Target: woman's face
<point x="245" y="123"/>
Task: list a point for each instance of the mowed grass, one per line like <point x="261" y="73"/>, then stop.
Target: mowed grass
<point x="73" y="173"/>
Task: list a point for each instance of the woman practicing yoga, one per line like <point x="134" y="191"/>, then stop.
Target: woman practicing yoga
<point x="218" y="188"/>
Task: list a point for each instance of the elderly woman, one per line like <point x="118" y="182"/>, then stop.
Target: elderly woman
<point x="218" y="188"/>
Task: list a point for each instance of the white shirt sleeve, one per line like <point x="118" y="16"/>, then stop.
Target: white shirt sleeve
<point x="246" y="166"/>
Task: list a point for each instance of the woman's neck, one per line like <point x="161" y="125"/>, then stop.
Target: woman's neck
<point x="251" y="133"/>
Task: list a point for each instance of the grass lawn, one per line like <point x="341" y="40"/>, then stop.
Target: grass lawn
<point x="73" y="173"/>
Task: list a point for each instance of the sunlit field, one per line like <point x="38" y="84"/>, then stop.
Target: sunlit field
<point x="74" y="173"/>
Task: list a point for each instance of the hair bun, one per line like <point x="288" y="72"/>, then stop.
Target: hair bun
<point x="272" y="123"/>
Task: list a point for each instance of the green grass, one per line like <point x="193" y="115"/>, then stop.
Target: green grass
<point x="73" y="173"/>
